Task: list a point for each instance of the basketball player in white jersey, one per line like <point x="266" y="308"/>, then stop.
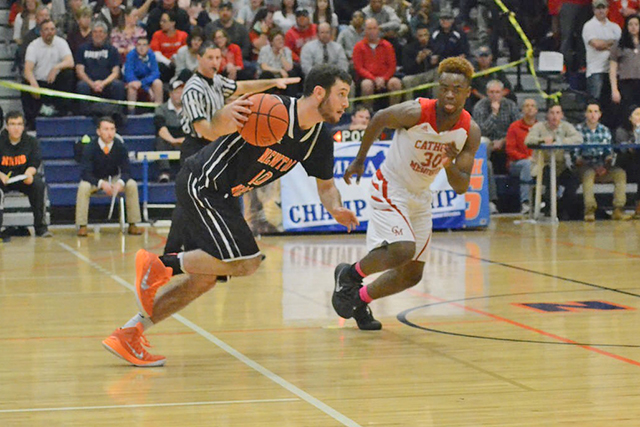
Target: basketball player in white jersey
<point x="432" y="134"/>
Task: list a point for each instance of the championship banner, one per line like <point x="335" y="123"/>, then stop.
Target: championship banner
<point x="303" y="212"/>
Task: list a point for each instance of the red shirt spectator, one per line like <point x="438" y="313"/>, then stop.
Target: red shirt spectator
<point x="168" y="45"/>
<point x="233" y="55"/>
<point x="371" y="63"/>
<point x="617" y="14"/>
<point x="300" y="33"/>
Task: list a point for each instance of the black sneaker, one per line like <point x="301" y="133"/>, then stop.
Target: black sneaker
<point x="364" y="318"/>
<point x="345" y="294"/>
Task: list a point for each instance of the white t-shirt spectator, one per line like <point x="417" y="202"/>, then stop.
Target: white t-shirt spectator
<point x="45" y="56"/>
<point x="284" y="22"/>
<point x="598" y="60"/>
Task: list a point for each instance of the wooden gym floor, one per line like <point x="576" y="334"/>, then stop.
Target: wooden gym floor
<point x="518" y="325"/>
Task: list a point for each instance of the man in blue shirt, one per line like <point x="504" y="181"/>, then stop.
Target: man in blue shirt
<point x="141" y="73"/>
<point x="597" y="164"/>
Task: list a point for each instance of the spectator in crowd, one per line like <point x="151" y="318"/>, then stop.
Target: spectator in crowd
<point x="494" y="114"/>
<point x="259" y="32"/>
<point x="237" y="32"/>
<point x="484" y="61"/>
<point x="276" y="60"/>
<point x="20" y="156"/>
<point x="418" y="62"/>
<point x="112" y="14"/>
<point x="304" y="31"/>
<point x="42" y="14"/>
<point x="557" y="131"/>
<point x="619" y="10"/>
<point x="210" y="13"/>
<point x="247" y="13"/>
<point x="125" y="37"/>
<point x="346" y="9"/>
<point x="105" y="166"/>
<point x="446" y="41"/>
<point x="81" y="33"/>
<point x="573" y="15"/>
<point x="360" y="118"/>
<point x="323" y="51"/>
<point x="186" y="58"/>
<point x="285" y="18"/>
<point x="519" y="160"/>
<point x="141" y="74"/>
<point x="25" y="21"/>
<point x="165" y="43"/>
<point x="98" y="68"/>
<point x="352" y="34"/>
<point x="324" y="13"/>
<point x="169" y="133"/>
<point x="69" y="20"/>
<point x="48" y="64"/>
<point x="231" y="62"/>
<point x="596" y="165"/>
<point x="181" y="17"/>
<point x="375" y="63"/>
<point x="599" y="35"/>
<point x="422" y="16"/>
<point x="624" y="65"/>
<point x="384" y="15"/>
<point x="629" y="160"/>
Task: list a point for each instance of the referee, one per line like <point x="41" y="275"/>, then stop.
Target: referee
<point x="205" y="117"/>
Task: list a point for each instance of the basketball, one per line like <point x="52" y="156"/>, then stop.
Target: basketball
<point x="268" y="121"/>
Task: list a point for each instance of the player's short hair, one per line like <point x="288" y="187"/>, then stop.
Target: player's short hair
<point x="325" y="76"/>
<point x="15" y="114"/>
<point x="457" y="65"/>
<point x="105" y="119"/>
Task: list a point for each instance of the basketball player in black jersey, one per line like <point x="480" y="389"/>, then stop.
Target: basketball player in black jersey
<point x="217" y="240"/>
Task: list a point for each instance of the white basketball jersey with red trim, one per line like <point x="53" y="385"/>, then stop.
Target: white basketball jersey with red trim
<point x="416" y="155"/>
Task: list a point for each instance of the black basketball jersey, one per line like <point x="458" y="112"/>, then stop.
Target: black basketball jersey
<point x="232" y="166"/>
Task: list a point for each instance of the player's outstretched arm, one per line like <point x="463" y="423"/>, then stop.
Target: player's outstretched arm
<point x="404" y="115"/>
<point x="330" y="198"/>
<point x="460" y="164"/>
<point x="256" y="86"/>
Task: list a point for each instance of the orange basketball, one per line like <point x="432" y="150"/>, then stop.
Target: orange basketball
<point x="268" y="121"/>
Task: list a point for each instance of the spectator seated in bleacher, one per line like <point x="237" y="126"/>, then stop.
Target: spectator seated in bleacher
<point x="259" y="31"/>
<point x="112" y="14"/>
<point x="300" y="34"/>
<point x="98" y="71"/>
<point x="388" y="22"/>
<point x="181" y="17"/>
<point x="519" y="161"/>
<point x="597" y="165"/>
<point x="69" y="20"/>
<point x="360" y="118"/>
<point x="42" y="14"/>
<point x="447" y="41"/>
<point x="351" y="35"/>
<point x="248" y="11"/>
<point x="165" y="43"/>
<point x="275" y="60"/>
<point x="20" y="158"/>
<point x="422" y="15"/>
<point x="375" y="63"/>
<point x="141" y="74"/>
<point x="231" y="63"/>
<point x="323" y="50"/>
<point x="124" y="37"/>
<point x="169" y="133"/>
<point x="418" y="62"/>
<point x="105" y="166"/>
<point x="484" y="61"/>
<point x="285" y="18"/>
<point x="25" y="21"/>
<point x="629" y="160"/>
<point x="48" y="64"/>
<point x="557" y="131"/>
<point x="186" y="58"/>
<point x="81" y="33"/>
<point x="323" y="13"/>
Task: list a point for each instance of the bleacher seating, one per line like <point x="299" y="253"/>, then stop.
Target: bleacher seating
<point x="58" y="135"/>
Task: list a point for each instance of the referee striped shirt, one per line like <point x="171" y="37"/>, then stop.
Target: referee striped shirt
<point x="202" y="97"/>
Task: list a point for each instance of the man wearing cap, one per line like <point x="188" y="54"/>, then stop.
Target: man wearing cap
<point x="446" y="41"/>
<point x="599" y="35"/>
<point x="141" y="73"/>
<point x="301" y="33"/>
<point x="169" y="133"/>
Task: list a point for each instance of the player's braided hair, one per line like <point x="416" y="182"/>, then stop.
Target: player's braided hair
<point x="457" y="65"/>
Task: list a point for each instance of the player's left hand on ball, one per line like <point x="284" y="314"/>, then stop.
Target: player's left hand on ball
<point x="450" y="154"/>
<point x="282" y="83"/>
<point x="347" y="218"/>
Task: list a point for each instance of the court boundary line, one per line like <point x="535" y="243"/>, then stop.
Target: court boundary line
<point x="146" y="405"/>
<point x="318" y="404"/>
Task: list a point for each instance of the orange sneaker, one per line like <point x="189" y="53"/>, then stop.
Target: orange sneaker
<point x="128" y="344"/>
<point x="151" y="275"/>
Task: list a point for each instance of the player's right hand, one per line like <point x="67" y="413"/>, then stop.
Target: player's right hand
<point x="238" y="111"/>
<point x="355" y="168"/>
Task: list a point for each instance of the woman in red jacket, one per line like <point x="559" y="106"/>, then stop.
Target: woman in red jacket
<point x="231" y="55"/>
